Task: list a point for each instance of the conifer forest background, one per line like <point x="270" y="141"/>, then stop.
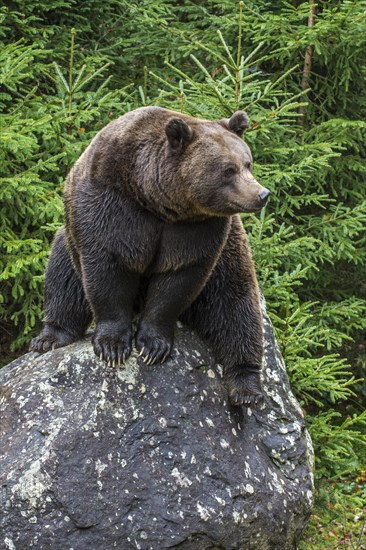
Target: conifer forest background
<point x="298" y="68"/>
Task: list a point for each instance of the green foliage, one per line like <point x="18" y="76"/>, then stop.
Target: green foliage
<point x="42" y="136"/>
<point x="339" y="520"/>
<point x="59" y="86"/>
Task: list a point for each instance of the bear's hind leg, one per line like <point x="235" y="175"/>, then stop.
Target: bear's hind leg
<point x="67" y="312"/>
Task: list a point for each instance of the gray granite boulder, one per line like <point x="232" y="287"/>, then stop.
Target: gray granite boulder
<point x="143" y="457"/>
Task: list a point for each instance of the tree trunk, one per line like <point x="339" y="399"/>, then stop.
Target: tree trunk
<point x="308" y="58"/>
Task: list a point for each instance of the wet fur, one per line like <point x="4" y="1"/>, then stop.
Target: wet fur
<point x="136" y="227"/>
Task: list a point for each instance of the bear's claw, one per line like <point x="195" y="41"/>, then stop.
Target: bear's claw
<point x="112" y="343"/>
<point x="245" y="389"/>
<point x="111" y="352"/>
<point x="153" y="345"/>
<point x="238" y="399"/>
<point x="50" y="338"/>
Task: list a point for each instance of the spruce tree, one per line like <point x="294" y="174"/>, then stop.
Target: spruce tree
<point x="298" y="69"/>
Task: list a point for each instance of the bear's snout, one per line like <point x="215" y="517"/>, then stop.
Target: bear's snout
<point x="263" y="196"/>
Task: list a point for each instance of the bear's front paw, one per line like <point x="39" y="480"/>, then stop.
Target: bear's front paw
<point x="112" y="342"/>
<point x="245" y="389"/>
<point x="51" y="337"/>
<point x="154" y="343"/>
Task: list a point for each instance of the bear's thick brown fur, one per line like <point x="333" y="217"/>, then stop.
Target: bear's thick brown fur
<point x="151" y="222"/>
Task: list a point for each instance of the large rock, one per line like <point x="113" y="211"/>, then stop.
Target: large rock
<point x="149" y="457"/>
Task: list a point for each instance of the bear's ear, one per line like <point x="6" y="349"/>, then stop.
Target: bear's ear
<point x="178" y="132"/>
<point x="238" y="123"/>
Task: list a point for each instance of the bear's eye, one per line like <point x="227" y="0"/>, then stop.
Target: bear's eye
<point x="248" y="166"/>
<point x="230" y="171"/>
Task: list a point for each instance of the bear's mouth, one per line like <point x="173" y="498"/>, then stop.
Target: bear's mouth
<point x="245" y="209"/>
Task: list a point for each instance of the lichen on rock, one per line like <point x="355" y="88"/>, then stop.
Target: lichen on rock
<point x="149" y="457"/>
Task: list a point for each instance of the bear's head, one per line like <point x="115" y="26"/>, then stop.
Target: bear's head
<point x="213" y="166"/>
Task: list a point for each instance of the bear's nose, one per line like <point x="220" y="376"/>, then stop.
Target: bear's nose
<point x="263" y="196"/>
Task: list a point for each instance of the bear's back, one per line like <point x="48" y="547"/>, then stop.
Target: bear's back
<point x="114" y="149"/>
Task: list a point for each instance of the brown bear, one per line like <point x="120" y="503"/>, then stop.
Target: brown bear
<point x="152" y="222"/>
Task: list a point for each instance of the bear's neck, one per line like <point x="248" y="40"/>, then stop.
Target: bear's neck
<point x="158" y="190"/>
